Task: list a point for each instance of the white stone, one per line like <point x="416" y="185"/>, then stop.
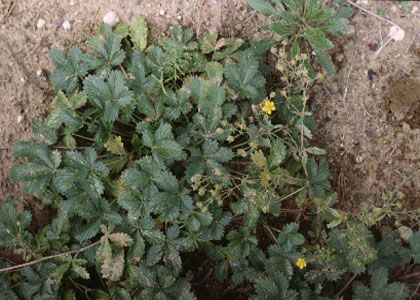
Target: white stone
<point x="40" y="23"/>
<point x="161" y="12"/>
<point x="66" y="25"/>
<point x="415" y="10"/>
<point x="179" y="17"/>
<point x="19" y="119"/>
<point x="111" y="18"/>
<point x="39" y="72"/>
<point x="71" y="2"/>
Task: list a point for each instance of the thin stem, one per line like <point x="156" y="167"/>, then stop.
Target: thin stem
<point x="49" y="257"/>
<point x="410" y="275"/>
<point x="291" y="194"/>
<point x="346" y="286"/>
<point x="371" y="13"/>
<point x="83" y="137"/>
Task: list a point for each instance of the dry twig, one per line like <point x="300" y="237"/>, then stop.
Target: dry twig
<point x="30" y="263"/>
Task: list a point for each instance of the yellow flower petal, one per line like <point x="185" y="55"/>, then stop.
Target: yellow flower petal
<point x="301" y="263"/>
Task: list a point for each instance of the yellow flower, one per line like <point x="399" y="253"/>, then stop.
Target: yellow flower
<point x="301" y="263"/>
<point x="268" y="106"/>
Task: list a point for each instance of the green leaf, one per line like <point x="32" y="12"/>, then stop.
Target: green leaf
<point x="228" y="46"/>
<point x="273" y="287"/>
<point x="282" y="29"/>
<point x="380" y="289"/>
<point x="262" y="6"/>
<point x="245" y="77"/>
<point x="38" y="173"/>
<point x="318" y="176"/>
<point x="344" y="12"/>
<point x="258" y="158"/>
<point x="68" y="70"/>
<point x="162" y="143"/>
<point x="108" y="96"/>
<point x="318" y="39"/>
<point x="316" y="151"/>
<point x="106" y="48"/>
<point x="138" y="32"/>
<point x="335" y="25"/>
<point x="208" y="43"/>
<point x="326" y="63"/>
<point x="415" y="246"/>
<point x="277" y="154"/>
<point x="115" y="146"/>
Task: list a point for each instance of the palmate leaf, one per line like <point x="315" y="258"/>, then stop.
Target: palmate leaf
<point x="153" y="189"/>
<point x="275" y="287"/>
<point x="318" y="176"/>
<point x="379" y="288"/>
<point x="354" y="247"/>
<point x="205" y="126"/>
<point x="162" y="144"/>
<point x="64" y="111"/>
<point x="207" y="95"/>
<point x="209" y="160"/>
<point x="13" y="226"/>
<point x="391" y="252"/>
<point x="38" y="284"/>
<point x="108" y="96"/>
<point x="245" y="78"/>
<point x="106" y="48"/>
<point x="68" y="70"/>
<point x="82" y="173"/>
<point x="240" y="244"/>
<point x="177" y="104"/>
<point x="284" y="253"/>
<point x="38" y="173"/>
<point x="95" y="212"/>
<point x="175" y="201"/>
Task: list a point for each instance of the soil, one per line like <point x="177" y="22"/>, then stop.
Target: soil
<point x="368" y="114"/>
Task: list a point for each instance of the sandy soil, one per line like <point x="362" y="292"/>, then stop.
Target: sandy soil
<point x="371" y="127"/>
<point x="25" y="93"/>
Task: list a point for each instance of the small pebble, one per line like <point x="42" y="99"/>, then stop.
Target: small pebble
<point x="414" y="10"/>
<point x="111" y="18"/>
<point x="179" y="17"/>
<point x="66" y="25"/>
<point x="22" y="80"/>
<point x="71" y="2"/>
<point x="393" y="8"/>
<point x="39" y="72"/>
<point x="371" y="74"/>
<point x="19" y="119"/>
<point x="40" y="23"/>
<point x="161" y="12"/>
<point x="359" y="159"/>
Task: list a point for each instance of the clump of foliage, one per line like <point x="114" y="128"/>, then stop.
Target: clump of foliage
<point x="307" y="23"/>
<point x="152" y="151"/>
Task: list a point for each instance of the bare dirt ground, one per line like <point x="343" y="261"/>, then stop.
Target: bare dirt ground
<point x="370" y="127"/>
<point x="369" y="115"/>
